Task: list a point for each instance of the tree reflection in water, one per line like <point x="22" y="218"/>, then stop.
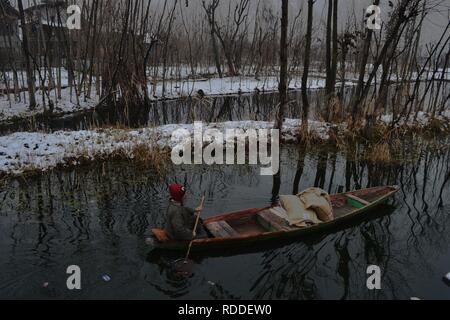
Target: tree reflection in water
<point x="99" y="218"/>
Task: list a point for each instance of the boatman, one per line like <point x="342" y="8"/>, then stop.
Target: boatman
<point x="180" y="219"/>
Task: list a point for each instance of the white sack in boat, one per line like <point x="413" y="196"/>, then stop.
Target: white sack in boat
<point x="319" y="201"/>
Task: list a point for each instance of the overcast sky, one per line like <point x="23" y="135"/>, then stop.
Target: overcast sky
<point x="432" y="30"/>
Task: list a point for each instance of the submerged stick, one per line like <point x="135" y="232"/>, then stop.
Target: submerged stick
<point x="194" y="232"/>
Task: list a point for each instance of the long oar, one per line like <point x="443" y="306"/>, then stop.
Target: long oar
<point x="194" y="232"/>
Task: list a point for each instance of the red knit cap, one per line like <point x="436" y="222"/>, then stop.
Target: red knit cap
<point x="177" y="192"/>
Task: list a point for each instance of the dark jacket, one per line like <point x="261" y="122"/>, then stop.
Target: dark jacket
<point x="181" y="221"/>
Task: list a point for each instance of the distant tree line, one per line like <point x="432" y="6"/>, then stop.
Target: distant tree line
<point x="126" y="46"/>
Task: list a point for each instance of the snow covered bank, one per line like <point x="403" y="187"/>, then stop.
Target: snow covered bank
<point x="67" y="104"/>
<point x="227" y="85"/>
<point x="24" y="152"/>
<point x="422" y="118"/>
<point x="18" y="107"/>
<point x="34" y="152"/>
<point x="180" y="82"/>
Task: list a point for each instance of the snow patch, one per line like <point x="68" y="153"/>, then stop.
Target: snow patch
<point x="31" y="151"/>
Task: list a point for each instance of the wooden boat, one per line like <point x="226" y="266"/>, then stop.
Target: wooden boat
<point x="252" y="226"/>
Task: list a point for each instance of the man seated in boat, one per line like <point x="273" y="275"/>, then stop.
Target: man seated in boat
<point x="180" y="219"/>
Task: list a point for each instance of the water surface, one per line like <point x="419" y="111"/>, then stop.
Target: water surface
<point x="98" y="218"/>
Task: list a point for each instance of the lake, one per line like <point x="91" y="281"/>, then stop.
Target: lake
<point x="99" y="217"/>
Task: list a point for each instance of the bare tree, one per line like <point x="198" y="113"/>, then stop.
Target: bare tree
<point x="210" y="10"/>
<point x="404" y="11"/>
<point x="27" y="57"/>
<point x="334" y="55"/>
<point x="228" y="35"/>
<point x="283" y="85"/>
<point x="328" y="48"/>
<point x="331" y="53"/>
<point x="305" y="101"/>
<point x="364" y="57"/>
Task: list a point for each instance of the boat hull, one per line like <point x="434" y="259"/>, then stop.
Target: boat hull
<point x="250" y="241"/>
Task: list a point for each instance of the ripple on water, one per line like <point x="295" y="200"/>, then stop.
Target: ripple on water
<point x="99" y="221"/>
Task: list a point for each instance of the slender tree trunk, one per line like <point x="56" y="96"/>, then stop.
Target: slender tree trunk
<point x="283" y="85"/>
<point x="343" y="71"/>
<point x="328" y="49"/>
<point x="166" y="47"/>
<point x="443" y="77"/>
<point x="215" y="51"/>
<point x="396" y="27"/>
<point x="334" y="56"/>
<point x="364" y="56"/>
<point x="210" y="11"/>
<point x="13" y="62"/>
<point x="305" y="101"/>
<point x="26" y="52"/>
<point x="229" y="58"/>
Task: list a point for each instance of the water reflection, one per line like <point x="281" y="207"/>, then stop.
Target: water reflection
<point x="98" y="219"/>
<point x="257" y="106"/>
